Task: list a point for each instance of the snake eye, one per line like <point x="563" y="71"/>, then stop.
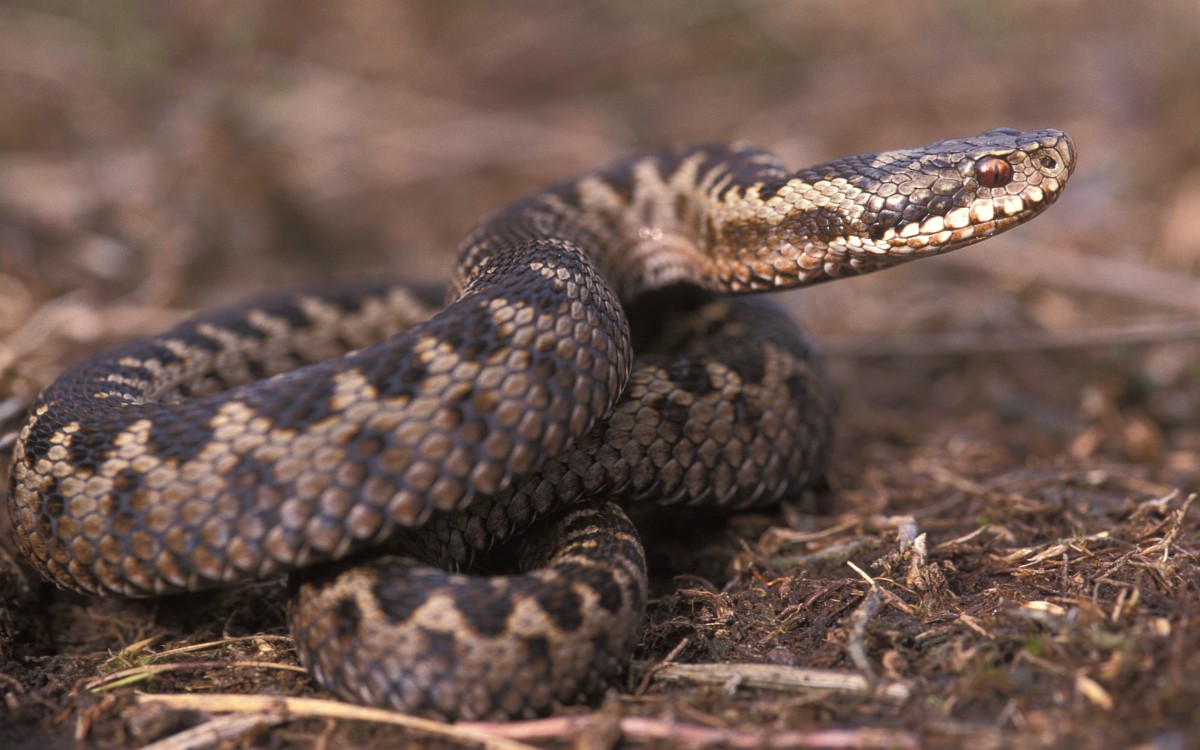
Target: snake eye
<point x="993" y="172"/>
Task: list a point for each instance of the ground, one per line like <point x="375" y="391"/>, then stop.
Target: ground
<point x="1006" y="554"/>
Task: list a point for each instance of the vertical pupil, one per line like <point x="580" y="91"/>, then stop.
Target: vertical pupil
<point x="992" y="171"/>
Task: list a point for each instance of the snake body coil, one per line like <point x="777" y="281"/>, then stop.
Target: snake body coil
<point x="300" y="432"/>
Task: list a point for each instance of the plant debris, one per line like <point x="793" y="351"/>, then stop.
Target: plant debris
<point x="1007" y="551"/>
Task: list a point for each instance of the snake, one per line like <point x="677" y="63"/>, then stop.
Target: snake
<point x="442" y="472"/>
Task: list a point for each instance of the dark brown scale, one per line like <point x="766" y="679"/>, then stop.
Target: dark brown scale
<point x="254" y="441"/>
<point x="520" y="657"/>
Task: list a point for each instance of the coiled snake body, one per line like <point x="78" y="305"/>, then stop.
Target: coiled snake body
<point x="313" y="427"/>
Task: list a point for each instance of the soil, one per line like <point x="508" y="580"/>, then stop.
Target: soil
<point x="1006" y="552"/>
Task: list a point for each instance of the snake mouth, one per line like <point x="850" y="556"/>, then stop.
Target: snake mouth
<point x="983" y="218"/>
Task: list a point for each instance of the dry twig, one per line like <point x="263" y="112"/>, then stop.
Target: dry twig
<point x="282" y="708"/>
<point x="779" y="677"/>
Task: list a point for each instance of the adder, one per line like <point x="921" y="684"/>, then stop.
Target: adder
<point x="595" y="349"/>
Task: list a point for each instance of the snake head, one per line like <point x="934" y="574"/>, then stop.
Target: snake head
<point x="931" y="200"/>
<point x="871" y="211"/>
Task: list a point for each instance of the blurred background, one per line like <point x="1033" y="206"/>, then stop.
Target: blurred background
<point x="179" y="153"/>
<point x="161" y="157"/>
<point x="157" y="158"/>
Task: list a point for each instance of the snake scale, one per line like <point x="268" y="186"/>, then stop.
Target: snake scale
<point x="595" y="349"/>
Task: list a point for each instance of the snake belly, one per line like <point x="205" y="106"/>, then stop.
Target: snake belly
<point x="591" y="351"/>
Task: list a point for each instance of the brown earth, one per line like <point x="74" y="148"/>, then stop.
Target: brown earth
<point x="1006" y="554"/>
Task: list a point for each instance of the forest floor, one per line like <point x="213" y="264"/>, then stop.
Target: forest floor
<point x="1007" y="551"/>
